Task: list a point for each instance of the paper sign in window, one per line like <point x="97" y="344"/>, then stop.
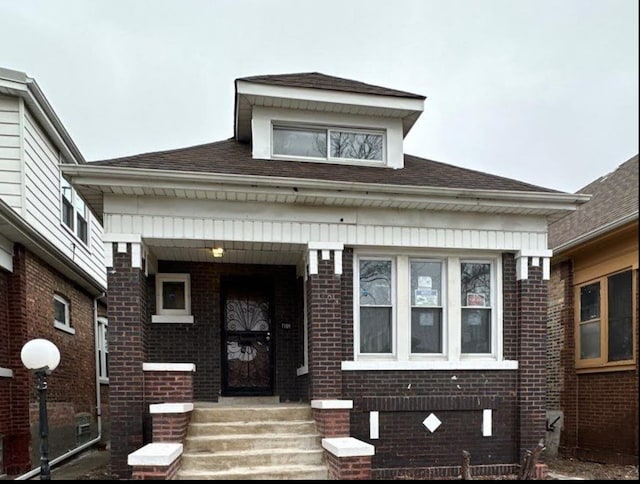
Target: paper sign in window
<point x="426" y="297"/>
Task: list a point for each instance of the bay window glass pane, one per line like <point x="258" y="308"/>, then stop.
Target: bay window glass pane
<point x="375" y="283"/>
<point x="173" y="296"/>
<point x="590" y="302"/>
<point x="426" y="330"/>
<point x="375" y="330"/>
<point x="476" y="331"/>
<point x="300" y="142"/>
<point x="590" y="340"/>
<point x="620" y="305"/>
<point x="476" y="284"/>
<point x="361" y="146"/>
<point x="426" y="284"/>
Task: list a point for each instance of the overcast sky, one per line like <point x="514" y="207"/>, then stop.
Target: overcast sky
<point x="537" y="90"/>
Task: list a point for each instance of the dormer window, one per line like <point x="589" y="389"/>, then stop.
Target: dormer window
<point x="328" y="143"/>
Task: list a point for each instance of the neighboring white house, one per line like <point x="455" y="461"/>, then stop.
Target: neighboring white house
<point x="52" y="279"/>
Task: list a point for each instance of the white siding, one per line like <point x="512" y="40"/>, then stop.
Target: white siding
<point x="10" y="160"/>
<point x="164" y="218"/>
<point x="43" y="204"/>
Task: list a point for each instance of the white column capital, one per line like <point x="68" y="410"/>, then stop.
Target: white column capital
<point x="324" y="249"/>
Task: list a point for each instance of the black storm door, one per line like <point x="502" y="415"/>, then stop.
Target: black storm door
<point x="247" y="343"/>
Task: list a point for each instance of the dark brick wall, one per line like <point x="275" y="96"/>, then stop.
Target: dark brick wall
<point x="405" y="398"/>
<point x="324" y="306"/>
<point x="200" y="343"/>
<point x="128" y="348"/>
<point x="532" y="324"/>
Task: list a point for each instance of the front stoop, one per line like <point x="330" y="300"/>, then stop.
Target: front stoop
<point x="252" y="439"/>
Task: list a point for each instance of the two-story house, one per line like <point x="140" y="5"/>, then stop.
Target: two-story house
<point x="52" y="283"/>
<point x="309" y="259"/>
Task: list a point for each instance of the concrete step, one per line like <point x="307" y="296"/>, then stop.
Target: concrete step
<point x="219" y="443"/>
<point x="229" y="460"/>
<point x="229" y="413"/>
<point x="235" y="428"/>
<point x="252" y="439"/>
<point x="292" y="472"/>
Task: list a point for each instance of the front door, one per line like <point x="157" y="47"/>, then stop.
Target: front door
<point x="246" y="339"/>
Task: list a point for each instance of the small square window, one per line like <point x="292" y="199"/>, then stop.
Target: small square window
<point x="173" y="298"/>
<point x="61" y="317"/>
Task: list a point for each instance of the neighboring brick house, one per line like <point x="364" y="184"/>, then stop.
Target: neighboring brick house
<point x="593" y="322"/>
<point x="310" y="258"/>
<point x="52" y="283"/>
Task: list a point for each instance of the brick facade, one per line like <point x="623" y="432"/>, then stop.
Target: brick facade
<point x="128" y="349"/>
<point x="27" y="312"/>
<point x="324" y="298"/>
<point x="402" y="398"/>
<point x="200" y="343"/>
<point x="600" y="409"/>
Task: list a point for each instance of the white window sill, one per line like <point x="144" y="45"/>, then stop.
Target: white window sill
<point x="64" y="327"/>
<point x="6" y="373"/>
<point x="303" y="370"/>
<point x="104" y="381"/>
<point x="161" y="318"/>
<point x="475" y="364"/>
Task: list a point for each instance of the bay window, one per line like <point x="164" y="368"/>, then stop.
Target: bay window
<point x="434" y="310"/>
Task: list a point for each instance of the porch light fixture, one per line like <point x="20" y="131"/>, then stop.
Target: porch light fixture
<point x="42" y="357"/>
<point x="217" y="251"/>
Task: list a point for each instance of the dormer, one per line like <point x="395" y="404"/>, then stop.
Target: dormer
<point x="324" y="119"/>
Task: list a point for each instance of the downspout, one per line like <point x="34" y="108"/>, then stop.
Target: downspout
<point x="72" y="452"/>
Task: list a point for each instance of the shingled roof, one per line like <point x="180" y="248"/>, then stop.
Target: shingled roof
<point x="614" y="198"/>
<point x="233" y="157"/>
<point x="317" y="80"/>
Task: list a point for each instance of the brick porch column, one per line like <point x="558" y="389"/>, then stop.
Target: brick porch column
<point x="532" y="274"/>
<point x="325" y="321"/>
<point x="127" y="312"/>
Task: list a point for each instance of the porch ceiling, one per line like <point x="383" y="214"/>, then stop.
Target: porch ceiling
<point x="234" y="252"/>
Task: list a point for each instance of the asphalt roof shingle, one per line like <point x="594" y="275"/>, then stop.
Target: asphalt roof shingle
<point x="614" y="196"/>
<point x="317" y="80"/>
<point x="234" y="157"/>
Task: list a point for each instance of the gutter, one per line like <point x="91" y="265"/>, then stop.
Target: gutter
<point x="105" y="175"/>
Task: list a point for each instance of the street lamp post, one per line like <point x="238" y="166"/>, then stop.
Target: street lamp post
<point x="42" y="357"/>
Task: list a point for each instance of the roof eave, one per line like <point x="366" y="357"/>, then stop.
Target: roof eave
<point x="21" y="85"/>
<point x="595" y="233"/>
<point x="103" y="177"/>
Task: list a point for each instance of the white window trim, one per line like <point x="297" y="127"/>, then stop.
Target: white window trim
<point x="66" y="324"/>
<point x="304" y="369"/>
<point x="328" y="129"/>
<point x="356" y="309"/>
<point x="74" y="219"/>
<point x="103" y="324"/>
<point x="452" y="358"/>
<point x="173" y="315"/>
